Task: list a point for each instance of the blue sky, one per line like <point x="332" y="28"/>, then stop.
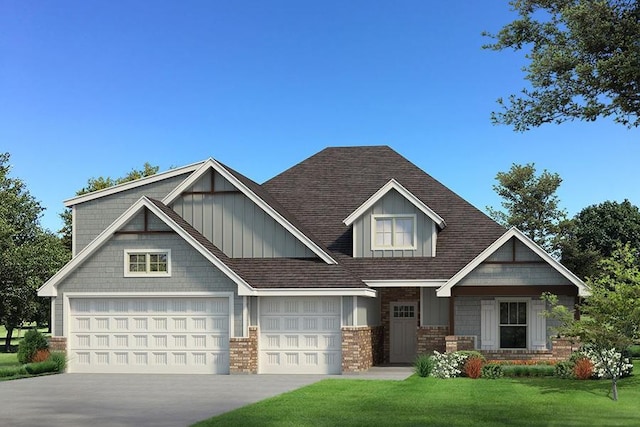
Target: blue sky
<point x="93" y="89"/>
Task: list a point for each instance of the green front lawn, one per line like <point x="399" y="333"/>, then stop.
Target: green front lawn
<point x="8" y="360"/>
<point x="453" y="402"/>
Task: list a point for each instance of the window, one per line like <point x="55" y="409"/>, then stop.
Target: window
<point x="513" y="324"/>
<point x="404" y="311"/>
<point x="147" y="263"/>
<point x="393" y="232"/>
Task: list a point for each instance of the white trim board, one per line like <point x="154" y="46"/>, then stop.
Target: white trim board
<point x="410" y="283"/>
<point x="445" y="290"/>
<point x="394" y="185"/>
<point x="320" y="292"/>
<point x="212" y="164"/>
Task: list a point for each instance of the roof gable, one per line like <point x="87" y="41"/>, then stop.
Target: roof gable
<point x="49" y="288"/>
<point x="258" y="196"/>
<point x="394" y="185"/>
<point x="445" y="290"/>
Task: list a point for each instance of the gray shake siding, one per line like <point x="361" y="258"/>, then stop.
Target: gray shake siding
<point x="235" y="224"/>
<point x="435" y="310"/>
<point x="190" y="272"/>
<point x="392" y="203"/>
<point x="94" y="216"/>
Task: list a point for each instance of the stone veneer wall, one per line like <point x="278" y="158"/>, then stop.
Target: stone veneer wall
<point x="460" y="343"/>
<point x="58" y="344"/>
<point x="431" y="338"/>
<point x="243" y="353"/>
<point x="360" y="347"/>
<point x="387" y="296"/>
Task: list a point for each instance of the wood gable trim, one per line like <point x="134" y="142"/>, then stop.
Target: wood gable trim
<point x="49" y="288"/>
<point x="394" y="185"/>
<point x="445" y="291"/>
<point x="273" y="213"/>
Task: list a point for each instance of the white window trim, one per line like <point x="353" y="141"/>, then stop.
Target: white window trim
<point x="375" y="247"/>
<point x="528" y="325"/>
<point x="147" y="252"/>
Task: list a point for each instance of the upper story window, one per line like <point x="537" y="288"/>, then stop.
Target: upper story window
<point x="148" y="263"/>
<point x="393" y="232"/>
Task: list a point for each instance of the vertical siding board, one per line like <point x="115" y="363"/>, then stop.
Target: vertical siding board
<point x="247" y="229"/>
<point x="258" y="232"/>
<point x="227" y="223"/>
<point x="238" y="215"/>
<point x="269" y="236"/>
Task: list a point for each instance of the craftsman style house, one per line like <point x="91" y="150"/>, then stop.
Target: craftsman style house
<point x="351" y="258"/>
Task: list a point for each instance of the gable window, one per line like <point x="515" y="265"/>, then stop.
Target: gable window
<point x="148" y="263"/>
<point x="513" y="324"/>
<point x="393" y="232"/>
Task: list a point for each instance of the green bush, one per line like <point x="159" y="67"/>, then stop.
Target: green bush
<point x="472" y="354"/>
<point x="60" y="359"/>
<point x="492" y="371"/>
<point x="564" y="370"/>
<point x="41" y="367"/>
<point x="12" y="371"/>
<point x="634" y="351"/>
<point x="528" y="370"/>
<point x="32" y="342"/>
<point x="424" y="365"/>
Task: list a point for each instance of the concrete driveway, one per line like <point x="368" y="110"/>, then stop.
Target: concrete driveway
<point x="111" y="400"/>
<point x="100" y="400"/>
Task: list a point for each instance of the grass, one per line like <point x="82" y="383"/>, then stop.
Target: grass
<point x="453" y="402"/>
<point x="8" y="360"/>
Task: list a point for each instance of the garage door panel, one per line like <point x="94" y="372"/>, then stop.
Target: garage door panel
<point x="155" y="335"/>
<point x="300" y="335"/>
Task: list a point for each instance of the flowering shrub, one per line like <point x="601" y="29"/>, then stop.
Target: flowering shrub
<point x="447" y="365"/>
<point x="492" y="371"/>
<point x="609" y="363"/>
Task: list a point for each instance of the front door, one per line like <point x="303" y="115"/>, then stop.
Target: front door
<point x="403" y="332"/>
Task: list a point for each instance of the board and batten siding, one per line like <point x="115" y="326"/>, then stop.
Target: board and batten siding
<point x="392" y="203"/>
<point x="235" y="224"/>
<point x="435" y="310"/>
<point x="94" y="216"/>
<point x="190" y="272"/>
<point x="368" y="311"/>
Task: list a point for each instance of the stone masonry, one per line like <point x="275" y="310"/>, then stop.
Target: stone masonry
<point x="58" y="344"/>
<point x="431" y="338"/>
<point x="360" y="346"/>
<point x="243" y="353"/>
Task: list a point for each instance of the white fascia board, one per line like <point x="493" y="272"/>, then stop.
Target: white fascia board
<point x="296" y="292"/>
<point x="211" y="163"/>
<point x="445" y="291"/>
<point x="132" y="184"/>
<point x="394" y="185"/>
<point x="412" y="283"/>
<point x="48" y="289"/>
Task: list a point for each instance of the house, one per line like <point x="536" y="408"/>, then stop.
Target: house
<point x="351" y="258"/>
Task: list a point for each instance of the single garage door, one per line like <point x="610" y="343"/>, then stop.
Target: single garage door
<point x="149" y="335"/>
<point x="300" y="335"/>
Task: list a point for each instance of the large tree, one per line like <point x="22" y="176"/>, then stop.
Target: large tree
<point x="583" y="61"/>
<point x="100" y="183"/>
<point x="610" y="320"/>
<point x="596" y="231"/>
<point x="29" y="255"/>
<point x="530" y="203"/>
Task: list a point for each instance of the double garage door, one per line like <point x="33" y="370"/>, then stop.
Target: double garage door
<point x="149" y="335"/>
<point x="300" y="335"/>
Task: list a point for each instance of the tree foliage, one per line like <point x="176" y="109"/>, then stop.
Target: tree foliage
<point x="610" y="317"/>
<point x="596" y="231"/>
<point x="29" y="255"/>
<point x="101" y="183"/>
<point x="583" y="62"/>
<point x="530" y="202"/>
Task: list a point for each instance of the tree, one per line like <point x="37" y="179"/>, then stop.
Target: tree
<point x="595" y="232"/>
<point x="100" y="183"/>
<point x="530" y="202"/>
<point x="28" y="254"/>
<point x="610" y="320"/>
<point x="584" y="62"/>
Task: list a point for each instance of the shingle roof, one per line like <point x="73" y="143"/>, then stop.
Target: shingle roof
<point x="324" y="189"/>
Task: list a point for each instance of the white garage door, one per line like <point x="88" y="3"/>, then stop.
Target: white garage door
<point x="300" y="335"/>
<point x="149" y="335"/>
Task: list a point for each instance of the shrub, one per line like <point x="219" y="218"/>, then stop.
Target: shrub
<point x="564" y="370"/>
<point x="12" y="371"/>
<point x="528" y="370"/>
<point x="634" y="351"/>
<point x="492" y="371"/>
<point x="473" y="367"/>
<point x="60" y="359"/>
<point x="30" y="344"/>
<point x="583" y="368"/>
<point x="472" y="354"/>
<point x="607" y="361"/>
<point x="40" y="355"/>
<point x="423" y="365"/>
<point x="41" y="367"/>
<point x="447" y="365"/>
